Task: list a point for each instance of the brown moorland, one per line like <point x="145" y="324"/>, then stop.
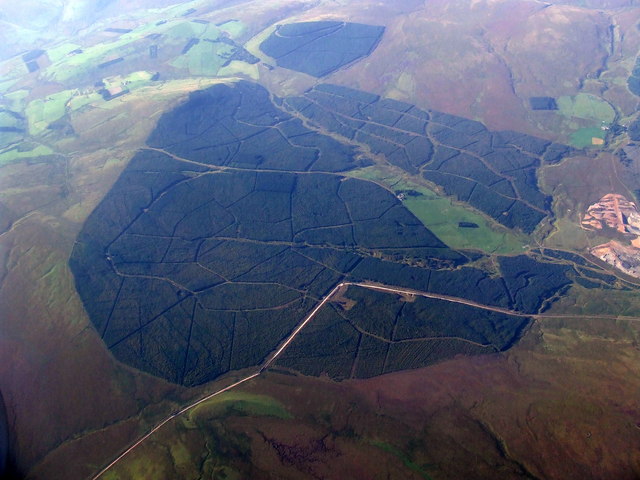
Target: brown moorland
<point x="485" y="59"/>
<point x="561" y="405"/>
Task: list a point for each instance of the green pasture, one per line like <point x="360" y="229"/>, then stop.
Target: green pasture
<point x="133" y="81"/>
<point x="203" y="59"/>
<point x="583" y="137"/>
<point x="237" y="67"/>
<point x="59" y="52"/>
<point x="44" y="111"/>
<point x="440" y="215"/>
<point x="589" y="112"/>
<point x="188" y="29"/>
<point x="587" y="107"/>
<point x="66" y="67"/>
<point x="235" y="28"/>
<point x="15" y="154"/>
<point x="41" y="112"/>
<point x="9" y="121"/>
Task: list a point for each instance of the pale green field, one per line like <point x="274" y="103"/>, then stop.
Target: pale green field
<point x="237" y="402"/>
<point x="587" y="107"/>
<point x="203" y="59"/>
<point x="59" y="52"/>
<point x="235" y="28"/>
<point x="65" y="68"/>
<point x="14" y="155"/>
<point x="583" y="137"/>
<point x="8" y="120"/>
<point x="7" y="84"/>
<point x="188" y="30"/>
<point x="237" y="67"/>
<point x="586" y="115"/>
<point x="15" y="101"/>
<point x="440" y="215"/>
<point x="41" y="112"/>
<point x="133" y="81"/>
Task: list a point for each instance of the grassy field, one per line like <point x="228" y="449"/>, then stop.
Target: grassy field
<point x="237" y="67"/>
<point x="568" y="235"/>
<point x="585" y="106"/>
<point x="194" y="30"/>
<point x="441" y="216"/>
<point x="64" y="68"/>
<point x="238" y="403"/>
<point x="133" y="81"/>
<point x="14" y="155"/>
<point x="42" y="112"/>
<point x="235" y="28"/>
<point x="585" y="115"/>
<point x="68" y="67"/>
<point x="253" y="45"/>
<point x="59" y="52"/>
<point x="583" y="137"/>
<point x="203" y="59"/>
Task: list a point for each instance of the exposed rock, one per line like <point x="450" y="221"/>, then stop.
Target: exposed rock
<point x="613" y="211"/>
<point x="623" y="257"/>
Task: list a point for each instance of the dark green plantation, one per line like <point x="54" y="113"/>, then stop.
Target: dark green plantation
<point x="320" y="48"/>
<point x="634" y="129"/>
<point x="494" y="172"/>
<point x="633" y="82"/>
<point x="585" y="273"/>
<point x="543" y="103"/>
<point x="523" y="286"/>
<point x="227" y="230"/>
<point x="12" y="127"/>
<point x="383" y="333"/>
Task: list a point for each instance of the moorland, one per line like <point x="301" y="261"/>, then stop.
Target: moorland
<point x="174" y="201"/>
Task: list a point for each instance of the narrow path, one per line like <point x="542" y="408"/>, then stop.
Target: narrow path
<point x="436" y="296"/>
<point x="308" y="318"/>
<point x="264" y="366"/>
<point x="168" y="419"/>
<point x="464" y="301"/>
<point x="283" y="346"/>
